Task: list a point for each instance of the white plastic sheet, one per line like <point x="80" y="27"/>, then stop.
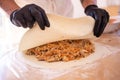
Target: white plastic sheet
<point x="105" y="68"/>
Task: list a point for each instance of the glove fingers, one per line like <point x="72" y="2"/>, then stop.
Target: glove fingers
<point x="19" y="21"/>
<point x="104" y="22"/>
<point x="16" y="22"/>
<point x="97" y="25"/>
<point x="29" y="20"/>
<point x="38" y="17"/>
<point x="101" y="27"/>
<point x="45" y="18"/>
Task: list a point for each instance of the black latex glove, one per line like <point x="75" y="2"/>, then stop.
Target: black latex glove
<point x="27" y="16"/>
<point x="101" y="17"/>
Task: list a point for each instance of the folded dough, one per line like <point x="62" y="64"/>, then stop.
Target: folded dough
<point x="61" y="28"/>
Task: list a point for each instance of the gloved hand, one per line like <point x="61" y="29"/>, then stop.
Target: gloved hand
<point x="27" y="16"/>
<point x="101" y="17"/>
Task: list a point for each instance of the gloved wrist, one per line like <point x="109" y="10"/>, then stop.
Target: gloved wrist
<point x="88" y="8"/>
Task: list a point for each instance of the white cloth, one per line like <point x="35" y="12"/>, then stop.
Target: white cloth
<point x="61" y="7"/>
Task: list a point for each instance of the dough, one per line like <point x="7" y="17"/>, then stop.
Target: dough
<point x="101" y="51"/>
<point x="61" y="28"/>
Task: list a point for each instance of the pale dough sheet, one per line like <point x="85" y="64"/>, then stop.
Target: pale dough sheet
<point x="101" y="51"/>
<point x="60" y="28"/>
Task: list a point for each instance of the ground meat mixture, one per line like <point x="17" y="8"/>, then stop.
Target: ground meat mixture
<point x="64" y="50"/>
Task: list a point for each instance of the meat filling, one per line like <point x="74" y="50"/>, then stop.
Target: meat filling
<point x="65" y="50"/>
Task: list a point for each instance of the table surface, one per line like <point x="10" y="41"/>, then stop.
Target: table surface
<point x="111" y="39"/>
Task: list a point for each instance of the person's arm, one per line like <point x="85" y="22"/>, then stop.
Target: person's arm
<point x="8" y="6"/>
<point x="85" y="3"/>
<point x="100" y="15"/>
<point x="25" y="16"/>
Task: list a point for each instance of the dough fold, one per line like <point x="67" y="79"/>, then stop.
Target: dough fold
<point x="61" y="28"/>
